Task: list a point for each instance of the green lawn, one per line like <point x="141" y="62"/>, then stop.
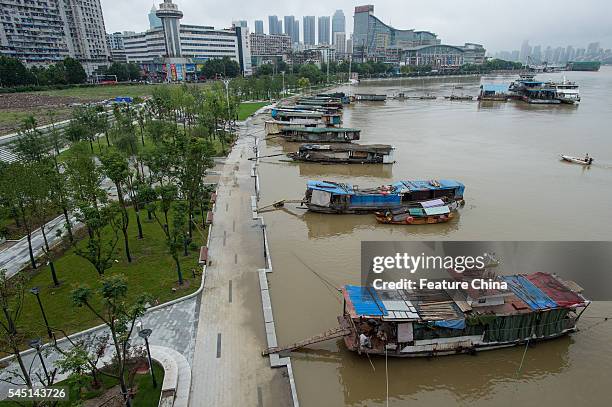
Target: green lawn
<point x="146" y="395"/>
<point x="152" y="271"/>
<point x="248" y="108"/>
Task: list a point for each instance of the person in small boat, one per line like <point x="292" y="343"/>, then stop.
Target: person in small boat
<point x="364" y="341"/>
<point x="586" y="158"/>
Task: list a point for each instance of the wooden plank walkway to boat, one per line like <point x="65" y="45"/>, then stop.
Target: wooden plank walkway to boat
<point x="331" y="334"/>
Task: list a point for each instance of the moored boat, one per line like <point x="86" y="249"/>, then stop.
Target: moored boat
<point x="339" y="198"/>
<point x="320" y="134"/>
<point x="330" y="119"/>
<point x="277" y="126"/>
<point x="370" y="97"/>
<point x="345" y="153"/>
<point x="421" y="213"/>
<point x="513" y="310"/>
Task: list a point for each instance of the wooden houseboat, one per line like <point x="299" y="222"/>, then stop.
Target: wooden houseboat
<point x="338" y="198"/>
<point x="330" y="119"/>
<point x="320" y="134"/>
<point x="432" y="322"/>
<point x="277" y="126"/>
<point x="370" y="97"/>
<point x="345" y="153"/>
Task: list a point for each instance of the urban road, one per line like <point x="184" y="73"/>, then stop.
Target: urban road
<point x="228" y="368"/>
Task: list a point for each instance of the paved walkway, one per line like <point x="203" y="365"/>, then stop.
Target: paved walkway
<point x="173" y="327"/>
<point x="228" y="369"/>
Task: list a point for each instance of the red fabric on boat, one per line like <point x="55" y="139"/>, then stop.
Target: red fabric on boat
<point x="555" y="289"/>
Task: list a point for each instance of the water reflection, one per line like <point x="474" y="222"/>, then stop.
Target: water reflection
<point x="467" y="378"/>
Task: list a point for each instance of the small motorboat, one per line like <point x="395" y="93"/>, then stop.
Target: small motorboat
<point x="578" y="160"/>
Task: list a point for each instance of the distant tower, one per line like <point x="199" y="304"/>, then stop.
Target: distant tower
<point x="170" y="16"/>
<point x="154" y="21"/>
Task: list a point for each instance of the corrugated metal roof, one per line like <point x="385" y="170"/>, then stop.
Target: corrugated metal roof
<point x="340" y="189"/>
<point x="320" y="129"/>
<point x="365" y="301"/>
<point x="529" y="293"/>
<point x="555" y="289"/>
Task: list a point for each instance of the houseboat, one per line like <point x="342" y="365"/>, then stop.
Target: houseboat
<point x="277" y="126"/>
<point x="314" y="108"/>
<point x="421" y="213"/>
<point x="431" y="322"/>
<point x="330" y="119"/>
<point x="338" y="198"/>
<point x="370" y="97"/>
<point x="345" y="153"/>
<point x="529" y="90"/>
<point x="338" y="95"/>
<point x="493" y="91"/>
<point x="320" y="134"/>
<point x="320" y="101"/>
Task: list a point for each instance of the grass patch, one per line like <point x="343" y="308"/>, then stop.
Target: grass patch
<point x="152" y="271"/>
<point x="247" y="109"/>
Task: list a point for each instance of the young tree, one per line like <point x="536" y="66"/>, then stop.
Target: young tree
<point x="119" y="315"/>
<point x="74" y="71"/>
<point x="11" y="301"/>
<point x="116" y="167"/>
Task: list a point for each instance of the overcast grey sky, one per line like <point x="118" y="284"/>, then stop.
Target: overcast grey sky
<point x="497" y="24"/>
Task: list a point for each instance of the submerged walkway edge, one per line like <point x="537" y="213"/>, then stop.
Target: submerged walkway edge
<point x="275" y="359"/>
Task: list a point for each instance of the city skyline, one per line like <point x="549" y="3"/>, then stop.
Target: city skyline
<point x="452" y="20"/>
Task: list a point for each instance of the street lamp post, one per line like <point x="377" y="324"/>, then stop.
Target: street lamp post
<point x="226" y="83"/>
<point x="36" y="291"/>
<point x="144" y="334"/>
<point x="36" y="344"/>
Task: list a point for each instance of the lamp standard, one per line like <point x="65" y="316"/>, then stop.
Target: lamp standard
<point x="144" y="334"/>
<point x="36" y="291"/>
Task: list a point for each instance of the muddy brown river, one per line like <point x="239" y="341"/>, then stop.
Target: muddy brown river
<point x="507" y="155"/>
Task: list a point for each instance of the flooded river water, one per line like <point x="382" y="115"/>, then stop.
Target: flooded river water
<point x="507" y="155"/>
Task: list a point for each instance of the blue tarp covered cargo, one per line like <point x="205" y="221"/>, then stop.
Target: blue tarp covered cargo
<point x="375" y="200"/>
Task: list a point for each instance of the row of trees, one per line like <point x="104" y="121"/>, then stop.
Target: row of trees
<point x="124" y="72"/>
<point x="156" y="155"/>
<point x="14" y="73"/>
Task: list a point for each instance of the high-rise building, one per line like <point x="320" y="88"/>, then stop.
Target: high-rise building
<point x="43" y="32"/>
<point x="339" y="40"/>
<point x="240" y="23"/>
<point x="323" y="29"/>
<point x="116" y="47"/>
<point x="338" y="23"/>
<point x="309" y="30"/>
<point x="548" y="54"/>
<point x="292" y="28"/>
<point x="373" y="39"/>
<point x="154" y="21"/>
<point x="525" y="52"/>
<point x="269" y="48"/>
<point x="275" y="26"/>
<point x="592" y="49"/>
<point x="295" y="37"/>
<point x="536" y="54"/>
<point x="259" y="27"/>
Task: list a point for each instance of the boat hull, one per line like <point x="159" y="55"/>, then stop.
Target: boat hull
<point x="462" y="347"/>
<point x="576" y="160"/>
<point x="411" y="220"/>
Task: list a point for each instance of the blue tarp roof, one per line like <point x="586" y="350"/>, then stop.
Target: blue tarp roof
<point x="330" y="187"/>
<point x="529" y="293"/>
<point x="425" y="185"/>
<point x="451" y="323"/>
<point x="366" y="301"/>
<point x="494" y="87"/>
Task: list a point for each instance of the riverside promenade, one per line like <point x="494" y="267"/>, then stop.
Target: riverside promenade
<point x="228" y="369"/>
